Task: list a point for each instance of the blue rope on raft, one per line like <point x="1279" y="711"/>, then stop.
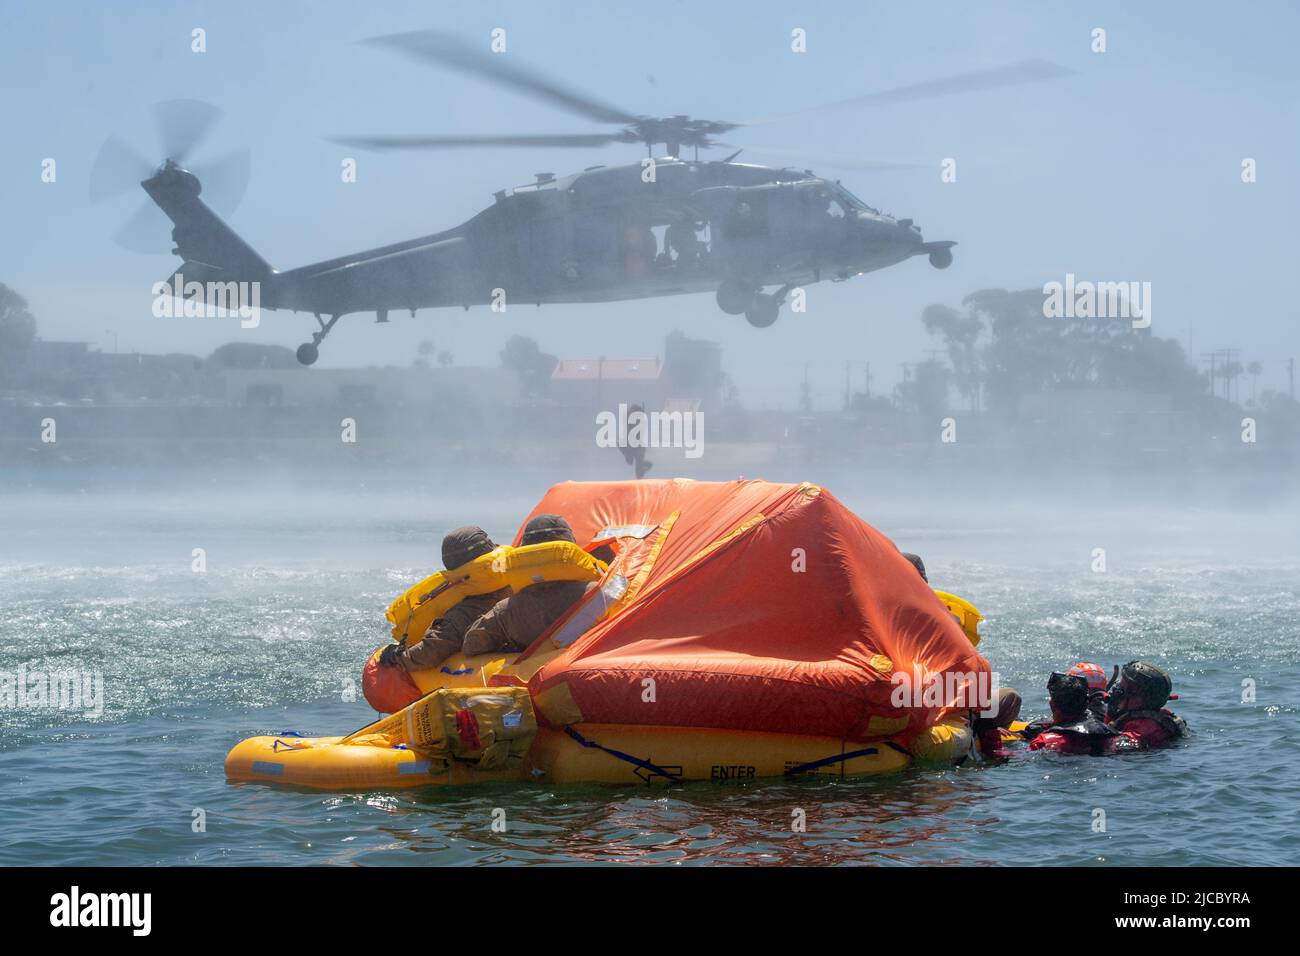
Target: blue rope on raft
<point x="840" y="758"/>
<point x="636" y="761"/>
<point x="827" y="761"/>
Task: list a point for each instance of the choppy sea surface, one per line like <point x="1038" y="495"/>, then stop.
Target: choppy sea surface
<point x="271" y="633"/>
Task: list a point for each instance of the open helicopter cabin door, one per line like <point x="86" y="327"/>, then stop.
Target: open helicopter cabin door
<point x="640" y="247"/>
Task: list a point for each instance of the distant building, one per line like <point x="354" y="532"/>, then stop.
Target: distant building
<point x="44" y="356"/>
<point x="412" y="388"/>
<point x="600" y="383"/>
<point x="689" y="377"/>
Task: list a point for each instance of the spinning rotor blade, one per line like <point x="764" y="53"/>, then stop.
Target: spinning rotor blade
<point x="434" y="46"/>
<point x="182" y="125"/>
<point x="117" y="169"/>
<point x="453" y="142"/>
<point x="224" y="181"/>
<point x="841" y="162"/>
<point x="148" y="230"/>
<point x="1026" y="71"/>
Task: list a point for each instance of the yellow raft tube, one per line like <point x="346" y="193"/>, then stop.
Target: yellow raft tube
<point x="377" y="756"/>
<point x="658" y="754"/>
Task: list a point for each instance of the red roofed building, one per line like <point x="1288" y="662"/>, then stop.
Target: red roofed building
<point x="603" y="368"/>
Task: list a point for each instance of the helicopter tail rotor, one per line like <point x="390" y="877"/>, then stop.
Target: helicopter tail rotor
<point x="181" y="127"/>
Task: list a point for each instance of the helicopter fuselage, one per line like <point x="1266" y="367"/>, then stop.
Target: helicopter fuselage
<point x="616" y="233"/>
<point x="658" y="228"/>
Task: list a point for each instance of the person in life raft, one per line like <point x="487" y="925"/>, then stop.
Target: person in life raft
<point x="514" y="622"/>
<point x="446" y="635"/>
<point x="499" y="621"/>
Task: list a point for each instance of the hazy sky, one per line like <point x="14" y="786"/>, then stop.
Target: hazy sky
<point x="1127" y="170"/>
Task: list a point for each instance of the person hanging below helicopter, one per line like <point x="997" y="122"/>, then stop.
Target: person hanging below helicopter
<point x="634" y="455"/>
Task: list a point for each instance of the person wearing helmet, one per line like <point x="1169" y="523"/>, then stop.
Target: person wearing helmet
<point x="516" y="621"/>
<point x="1074" y="729"/>
<point x="1136" y="707"/>
<point x="1095" y="678"/>
<point x="446" y="635"/>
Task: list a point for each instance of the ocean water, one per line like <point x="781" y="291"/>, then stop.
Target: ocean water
<point x="272" y="633"/>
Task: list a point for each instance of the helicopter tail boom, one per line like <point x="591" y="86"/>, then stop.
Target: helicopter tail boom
<point x="201" y="238"/>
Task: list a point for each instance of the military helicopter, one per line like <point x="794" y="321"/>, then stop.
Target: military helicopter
<point x="662" y="226"/>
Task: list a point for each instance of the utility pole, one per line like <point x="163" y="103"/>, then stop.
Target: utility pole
<point x="1290" y="374"/>
<point x="866" y="379"/>
<point x="1211" y="356"/>
<point x="1230" y="372"/>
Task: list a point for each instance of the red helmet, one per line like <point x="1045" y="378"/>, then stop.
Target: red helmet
<point x="1092" y="673"/>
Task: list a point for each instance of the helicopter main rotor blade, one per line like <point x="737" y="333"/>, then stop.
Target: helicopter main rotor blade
<point x="842" y="162"/>
<point x="454" y="142"/>
<point x="1026" y="71"/>
<point x="434" y="46"/>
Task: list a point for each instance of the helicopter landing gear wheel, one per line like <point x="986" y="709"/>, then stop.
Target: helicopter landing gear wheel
<point x="763" y="310"/>
<point x="309" y="352"/>
<point x="734" y="297"/>
<point x="941" y="258"/>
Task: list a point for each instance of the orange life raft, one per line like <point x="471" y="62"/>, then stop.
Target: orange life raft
<point x="743" y="628"/>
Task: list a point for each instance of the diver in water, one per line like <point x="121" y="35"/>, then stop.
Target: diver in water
<point x="516" y="621"/>
<point x="446" y="635"/>
<point x="1074" y="729"/>
<point x="1095" y="678"/>
<point x="1136" y="708"/>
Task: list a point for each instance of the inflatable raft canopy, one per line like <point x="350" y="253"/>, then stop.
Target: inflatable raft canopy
<point x="741" y="628"/>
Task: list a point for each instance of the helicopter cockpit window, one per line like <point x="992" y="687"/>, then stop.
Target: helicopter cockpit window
<point x="821" y="199"/>
<point x="850" y="200"/>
